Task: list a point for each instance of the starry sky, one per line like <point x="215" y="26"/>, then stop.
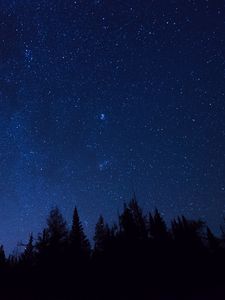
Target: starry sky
<point x="100" y="98"/>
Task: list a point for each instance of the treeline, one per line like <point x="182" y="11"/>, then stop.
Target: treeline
<point x="138" y="257"/>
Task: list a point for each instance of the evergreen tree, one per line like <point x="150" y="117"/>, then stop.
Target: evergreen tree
<point x="78" y="240"/>
<point x="42" y="241"/>
<point x="157" y="226"/>
<point x="102" y="234"/>
<point x="132" y="221"/>
<point x="126" y="221"/>
<point x="54" y="237"/>
<point x="56" y="228"/>
<point x="187" y="232"/>
<point x="28" y="255"/>
<point x="138" y="217"/>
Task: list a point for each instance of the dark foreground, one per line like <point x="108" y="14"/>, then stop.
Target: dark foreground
<point x="137" y="258"/>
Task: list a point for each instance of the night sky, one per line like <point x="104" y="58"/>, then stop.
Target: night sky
<point x="100" y="98"/>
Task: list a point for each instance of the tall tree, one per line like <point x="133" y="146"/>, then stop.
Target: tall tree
<point x="42" y="242"/>
<point x="138" y="217"/>
<point x="157" y="226"/>
<point x="78" y="240"/>
<point x="132" y="220"/>
<point x="126" y="221"/>
<point x="28" y="254"/>
<point x="56" y="228"/>
<point x="53" y="238"/>
<point x="102" y="234"/>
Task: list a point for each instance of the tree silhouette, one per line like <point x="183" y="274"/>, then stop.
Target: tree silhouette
<point x="52" y="241"/>
<point x="42" y="242"/>
<point x="132" y="222"/>
<point x="138" y="218"/>
<point x="157" y="226"/>
<point x="56" y="228"/>
<point x="188" y="234"/>
<point x="127" y="225"/>
<point x="78" y="240"/>
<point x="102" y="235"/>
<point x="28" y="254"/>
<point x="139" y="259"/>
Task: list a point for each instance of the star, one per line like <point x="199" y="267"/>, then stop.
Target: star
<point x="104" y="165"/>
<point x="102" y="117"/>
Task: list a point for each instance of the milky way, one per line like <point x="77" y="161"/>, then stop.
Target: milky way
<point x="100" y="98"/>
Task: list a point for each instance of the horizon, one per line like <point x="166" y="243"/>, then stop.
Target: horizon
<point x="19" y="247"/>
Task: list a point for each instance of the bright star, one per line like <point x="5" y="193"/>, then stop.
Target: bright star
<point x="102" y="117"/>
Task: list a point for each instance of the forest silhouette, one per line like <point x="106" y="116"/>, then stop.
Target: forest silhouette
<point x="139" y="257"/>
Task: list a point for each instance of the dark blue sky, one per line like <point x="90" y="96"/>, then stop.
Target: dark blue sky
<point x="101" y="97"/>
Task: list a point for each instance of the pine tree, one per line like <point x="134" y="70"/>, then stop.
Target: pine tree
<point x="102" y="235"/>
<point x="53" y="238"/>
<point x="78" y="240"/>
<point x="132" y="221"/>
<point x="126" y="221"/>
<point x="157" y="226"/>
<point x="56" y="228"/>
<point x="28" y="254"/>
<point x="187" y="232"/>
<point x="139" y="219"/>
<point x="42" y="242"/>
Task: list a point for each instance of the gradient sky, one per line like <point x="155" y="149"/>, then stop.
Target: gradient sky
<point x="102" y="97"/>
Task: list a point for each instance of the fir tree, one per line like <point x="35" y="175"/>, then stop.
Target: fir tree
<point x="42" y="241"/>
<point x="56" y="228"/>
<point x="78" y="240"/>
<point x="157" y="226"/>
<point x="132" y="221"/>
<point x="28" y="254"/>
<point x="102" y="234"/>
